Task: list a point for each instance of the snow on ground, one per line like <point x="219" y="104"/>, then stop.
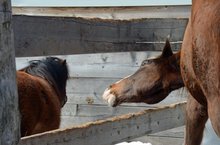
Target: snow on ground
<point x="133" y="143"/>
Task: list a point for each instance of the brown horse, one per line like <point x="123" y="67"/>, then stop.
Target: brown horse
<point x="200" y="67"/>
<point x="151" y="83"/>
<point x="42" y="93"/>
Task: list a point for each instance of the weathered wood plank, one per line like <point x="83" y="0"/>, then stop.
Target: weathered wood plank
<point x="109" y="131"/>
<point x="105" y="71"/>
<point x="120" y="13"/>
<point x="106" y="111"/>
<point x="112" y="65"/>
<point x="39" y="35"/>
<point x="69" y="109"/>
<point x="173" y="136"/>
<point x="9" y="114"/>
<point x="69" y="121"/>
<point x="96" y="98"/>
<point x="125" y="58"/>
<point x="99" y="70"/>
<point x="73" y="114"/>
<point x="89" y="85"/>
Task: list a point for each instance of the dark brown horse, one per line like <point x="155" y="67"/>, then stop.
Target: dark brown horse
<point x="42" y="93"/>
<point x="151" y="83"/>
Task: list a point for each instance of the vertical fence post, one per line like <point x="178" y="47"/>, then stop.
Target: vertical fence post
<point x="9" y="113"/>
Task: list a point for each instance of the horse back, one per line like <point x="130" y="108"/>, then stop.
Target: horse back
<point x="38" y="103"/>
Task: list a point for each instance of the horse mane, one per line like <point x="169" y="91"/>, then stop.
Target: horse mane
<point x="52" y="69"/>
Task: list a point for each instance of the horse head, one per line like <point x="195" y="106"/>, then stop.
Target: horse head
<point x="151" y="83"/>
<point x="55" y="71"/>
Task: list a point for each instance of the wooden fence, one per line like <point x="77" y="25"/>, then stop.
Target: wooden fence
<point x="90" y="75"/>
<point x="113" y="130"/>
<point x="99" y="52"/>
<point x="43" y="35"/>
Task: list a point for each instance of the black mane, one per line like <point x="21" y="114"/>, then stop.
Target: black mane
<point x="52" y="69"/>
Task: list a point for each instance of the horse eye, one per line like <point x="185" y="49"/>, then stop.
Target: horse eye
<point x="146" y="62"/>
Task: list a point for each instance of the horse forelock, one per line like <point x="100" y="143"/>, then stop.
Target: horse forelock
<point x="52" y="69"/>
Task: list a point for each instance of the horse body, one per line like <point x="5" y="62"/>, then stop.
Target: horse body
<point x="200" y="67"/>
<point x="39" y="114"/>
<point x="39" y="103"/>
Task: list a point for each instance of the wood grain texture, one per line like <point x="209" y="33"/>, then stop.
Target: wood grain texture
<point x="116" y="13"/>
<point x="43" y="35"/>
<point x="9" y="114"/>
<point x="113" y="130"/>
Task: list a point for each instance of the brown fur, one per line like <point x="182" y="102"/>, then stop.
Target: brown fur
<point x="41" y="91"/>
<point x="200" y="67"/>
<point x="152" y="82"/>
<point x="38" y="112"/>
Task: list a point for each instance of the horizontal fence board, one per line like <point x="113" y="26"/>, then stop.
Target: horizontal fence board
<point x="96" y="4"/>
<point x="69" y="121"/>
<point x="77" y="114"/>
<point x="106" y="65"/>
<point x="93" y="86"/>
<point x="85" y="98"/>
<point x="92" y="99"/>
<point x="119" y="13"/>
<point x="89" y="85"/>
<point x="69" y="109"/>
<point x="97" y="70"/>
<point x="132" y="58"/>
<point x="113" y="130"/>
<point x="94" y="110"/>
<point x="41" y="35"/>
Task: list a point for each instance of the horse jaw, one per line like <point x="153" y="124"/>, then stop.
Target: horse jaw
<point x="110" y="98"/>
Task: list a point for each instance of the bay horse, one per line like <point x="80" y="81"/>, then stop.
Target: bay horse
<point x="42" y="94"/>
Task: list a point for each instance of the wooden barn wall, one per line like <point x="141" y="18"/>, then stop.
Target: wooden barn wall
<point x="47" y="35"/>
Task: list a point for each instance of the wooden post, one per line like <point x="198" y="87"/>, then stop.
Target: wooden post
<point x="9" y="114"/>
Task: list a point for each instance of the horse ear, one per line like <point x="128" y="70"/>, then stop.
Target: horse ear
<point x="167" y="51"/>
<point x="64" y="62"/>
